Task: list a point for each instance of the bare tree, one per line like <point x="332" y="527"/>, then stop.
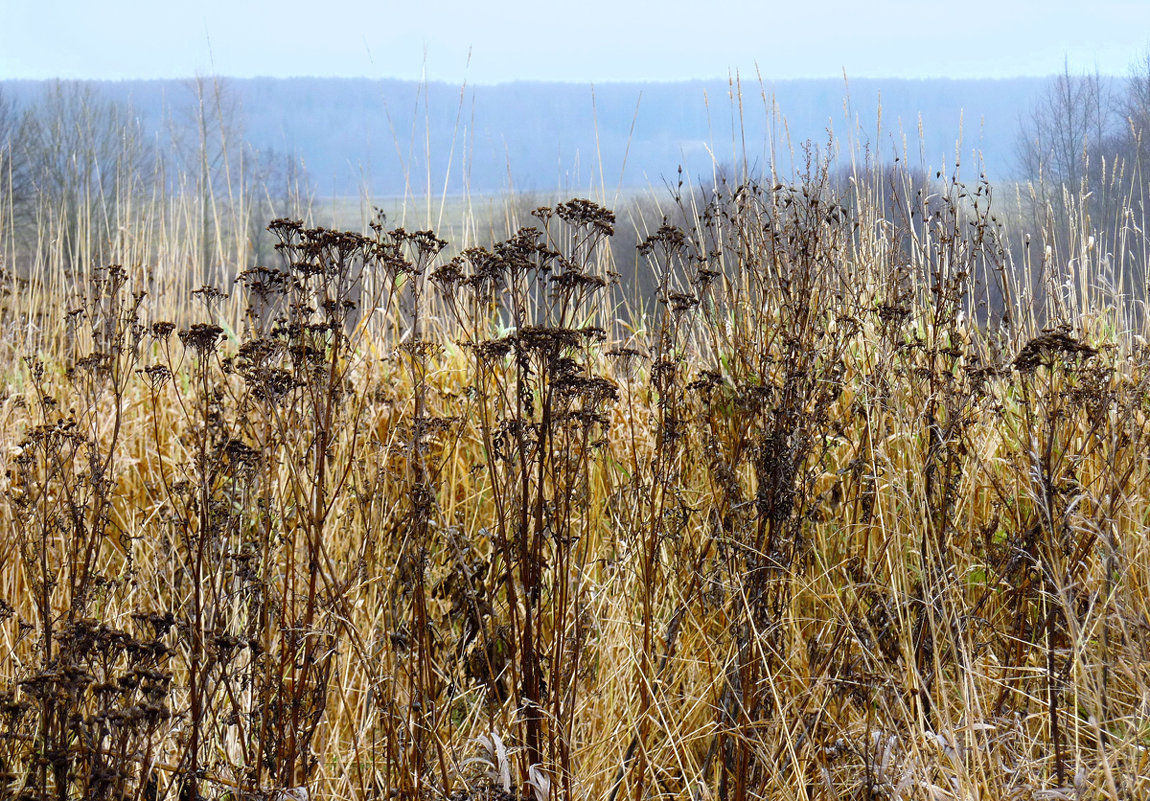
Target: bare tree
<point x="1084" y="149"/>
<point x="1067" y="129"/>
<point x="1136" y="113"/>
<point x="207" y="138"/>
<point x="86" y="159"/>
<point x="235" y="189"/>
<point x="278" y="186"/>
<point x="1068" y="150"/>
<point x="17" y="194"/>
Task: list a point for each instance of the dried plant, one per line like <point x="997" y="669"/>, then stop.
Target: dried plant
<point x="846" y="511"/>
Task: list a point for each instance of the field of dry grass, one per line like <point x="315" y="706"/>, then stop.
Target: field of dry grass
<point x="852" y="509"/>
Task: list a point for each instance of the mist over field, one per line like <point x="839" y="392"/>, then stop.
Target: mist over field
<point x="377" y="135"/>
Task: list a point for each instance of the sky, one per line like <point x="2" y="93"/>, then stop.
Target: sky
<point x="583" y="41"/>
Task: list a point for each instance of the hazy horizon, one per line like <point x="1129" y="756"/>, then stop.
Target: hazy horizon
<point x="657" y="77"/>
<point x="371" y="132"/>
<point x="602" y="42"/>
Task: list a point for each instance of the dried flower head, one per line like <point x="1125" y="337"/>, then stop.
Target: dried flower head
<point x="581" y="213"/>
<point x="1042" y="350"/>
<point x="201" y="337"/>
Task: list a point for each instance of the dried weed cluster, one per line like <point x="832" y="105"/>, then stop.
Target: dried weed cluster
<point x="853" y="510"/>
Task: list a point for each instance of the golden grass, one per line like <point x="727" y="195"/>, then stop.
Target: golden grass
<point x="838" y="541"/>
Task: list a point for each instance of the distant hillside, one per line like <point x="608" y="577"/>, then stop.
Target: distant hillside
<point x="542" y="136"/>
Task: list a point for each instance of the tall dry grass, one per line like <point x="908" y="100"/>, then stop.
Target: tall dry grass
<point x="853" y="508"/>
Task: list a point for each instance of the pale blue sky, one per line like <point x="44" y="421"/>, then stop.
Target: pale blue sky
<point x="484" y="41"/>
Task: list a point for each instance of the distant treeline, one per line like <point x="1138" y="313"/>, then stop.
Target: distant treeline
<point x="400" y="137"/>
<point x="208" y="162"/>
